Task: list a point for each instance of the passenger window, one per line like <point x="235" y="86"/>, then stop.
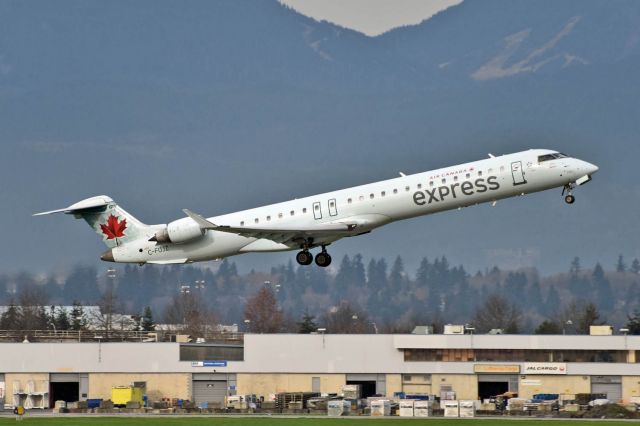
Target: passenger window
<point x="256" y="220"/>
<point x="304" y="210"/>
<point x="383" y="193"/>
<point x="444" y="181"/>
<point x="268" y="218"/>
<point x="455" y="178"/>
<point x="431" y="183"/>
<point x="242" y="223"/>
<point x="490" y="171"/>
<point x="419" y="185"/>
<point x="406" y="188"/>
<point x="317" y="207"/>
<point x="502" y="168"/>
<point x="332" y="203"/>
<point x="479" y="172"/>
<point x="468" y="175"/>
<point x="292" y="212"/>
<point x="371" y="196"/>
<point x="361" y="198"/>
<point x="279" y="215"/>
<point x="395" y="190"/>
<point x="349" y="201"/>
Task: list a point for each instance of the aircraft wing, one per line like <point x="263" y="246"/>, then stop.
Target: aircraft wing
<point x="281" y="235"/>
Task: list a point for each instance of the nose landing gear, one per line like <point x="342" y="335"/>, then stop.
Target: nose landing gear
<point x="569" y="198"/>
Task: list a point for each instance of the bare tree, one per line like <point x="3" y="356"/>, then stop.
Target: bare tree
<point x="345" y="319"/>
<point x="190" y="312"/>
<point x="262" y="313"/>
<point x="497" y="312"/>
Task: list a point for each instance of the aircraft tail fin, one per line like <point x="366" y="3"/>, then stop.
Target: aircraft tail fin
<point x="108" y="220"/>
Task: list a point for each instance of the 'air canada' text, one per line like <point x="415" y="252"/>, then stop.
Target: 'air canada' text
<point x="438" y="194"/>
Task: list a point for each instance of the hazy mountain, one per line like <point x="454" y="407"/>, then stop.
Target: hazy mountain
<point x="219" y="106"/>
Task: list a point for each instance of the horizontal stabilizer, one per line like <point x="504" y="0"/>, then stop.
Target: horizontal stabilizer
<point x="88" y="204"/>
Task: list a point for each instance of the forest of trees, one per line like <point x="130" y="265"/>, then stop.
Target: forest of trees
<point x="356" y="296"/>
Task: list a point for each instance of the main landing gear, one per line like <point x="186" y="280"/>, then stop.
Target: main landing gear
<point x="323" y="259"/>
<point x="569" y="198"/>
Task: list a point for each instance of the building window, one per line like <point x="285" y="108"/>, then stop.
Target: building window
<point x="205" y="352"/>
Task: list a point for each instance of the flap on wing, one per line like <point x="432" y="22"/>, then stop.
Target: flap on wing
<point x="278" y="234"/>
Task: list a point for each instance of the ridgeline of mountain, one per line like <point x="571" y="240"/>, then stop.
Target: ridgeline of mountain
<point x="219" y="106"/>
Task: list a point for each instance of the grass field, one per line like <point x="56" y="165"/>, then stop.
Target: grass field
<point x="277" y="421"/>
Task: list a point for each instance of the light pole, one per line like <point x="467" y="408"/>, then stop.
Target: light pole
<point x="247" y="323"/>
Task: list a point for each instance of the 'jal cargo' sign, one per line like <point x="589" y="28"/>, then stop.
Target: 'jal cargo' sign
<point x="544" y="368"/>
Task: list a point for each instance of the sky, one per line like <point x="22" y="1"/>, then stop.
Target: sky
<point x="229" y="105"/>
<point x="371" y="17"/>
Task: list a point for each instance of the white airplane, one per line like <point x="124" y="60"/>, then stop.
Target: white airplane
<point x="319" y="220"/>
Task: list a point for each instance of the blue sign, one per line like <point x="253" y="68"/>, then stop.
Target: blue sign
<point x="214" y="363"/>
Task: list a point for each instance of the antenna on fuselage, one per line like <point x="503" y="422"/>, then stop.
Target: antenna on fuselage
<point x="402" y="174"/>
<point x="491" y="155"/>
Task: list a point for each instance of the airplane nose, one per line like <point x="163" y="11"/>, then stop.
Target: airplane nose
<point x="107" y="256"/>
<point x="591" y="168"/>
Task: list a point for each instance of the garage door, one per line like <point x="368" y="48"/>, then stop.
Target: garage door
<point x="209" y="391"/>
<point x="613" y="390"/>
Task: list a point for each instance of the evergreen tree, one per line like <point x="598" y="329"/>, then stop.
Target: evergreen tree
<point x="634" y="323"/>
<point x="620" y="265"/>
<point x="552" y="303"/>
<point x="11" y="318"/>
<point x="603" y="290"/>
<point x="575" y="266"/>
<point x="548" y="327"/>
<point x="635" y="266"/>
<point x="78" y="317"/>
<point x="588" y="317"/>
<point x="308" y="324"/>
<point x="61" y="319"/>
<point x="397" y="277"/>
<point x="147" y="323"/>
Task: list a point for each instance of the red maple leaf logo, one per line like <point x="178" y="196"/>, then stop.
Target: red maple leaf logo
<point x="113" y="228"/>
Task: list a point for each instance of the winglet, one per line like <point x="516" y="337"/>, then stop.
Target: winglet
<point x="201" y="221"/>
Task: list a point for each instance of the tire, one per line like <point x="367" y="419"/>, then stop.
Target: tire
<point x="569" y="199"/>
<point x="323" y="259"/>
<point x="304" y="258"/>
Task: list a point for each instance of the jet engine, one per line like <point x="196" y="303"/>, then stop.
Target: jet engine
<point x="179" y="231"/>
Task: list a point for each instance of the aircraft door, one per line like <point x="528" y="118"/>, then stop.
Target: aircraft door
<point x="517" y="173"/>
<point x="317" y="210"/>
<point x="333" y="208"/>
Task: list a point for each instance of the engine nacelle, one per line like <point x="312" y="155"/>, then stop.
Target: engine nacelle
<point x="179" y="231"/>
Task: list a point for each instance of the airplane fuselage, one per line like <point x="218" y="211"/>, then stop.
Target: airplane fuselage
<point x="368" y="206"/>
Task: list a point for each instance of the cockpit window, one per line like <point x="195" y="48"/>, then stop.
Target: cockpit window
<point x="554" y="156"/>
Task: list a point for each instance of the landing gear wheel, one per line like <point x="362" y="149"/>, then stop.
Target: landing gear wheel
<point x="304" y="257"/>
<point x="569" y="199"/>
<point x="323" y="259"/>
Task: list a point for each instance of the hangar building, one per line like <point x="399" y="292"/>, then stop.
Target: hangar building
<point x="472" y="366"/>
